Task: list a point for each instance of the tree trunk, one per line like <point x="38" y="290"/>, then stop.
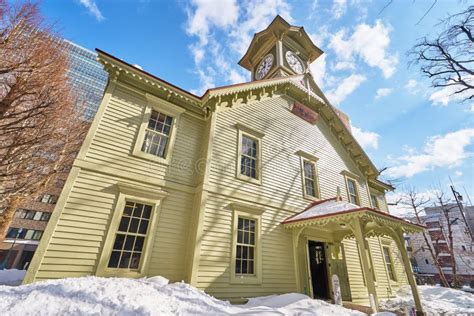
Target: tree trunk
<point x="442" y="277"/>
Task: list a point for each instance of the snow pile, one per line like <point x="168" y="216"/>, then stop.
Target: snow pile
<point x="435" y="301"/>
<point x="11" y="276"/>
<point x="152" y="296"/>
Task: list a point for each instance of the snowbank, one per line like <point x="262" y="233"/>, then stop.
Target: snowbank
<point x="435" y="300"/>
<point x="153" y="296"/>
<point x="11" y="276"/>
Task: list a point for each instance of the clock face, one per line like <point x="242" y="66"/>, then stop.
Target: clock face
<point x="264" y="67"/>
<point x="294" y="62"/>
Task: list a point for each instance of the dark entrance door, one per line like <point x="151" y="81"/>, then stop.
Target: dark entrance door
<point x="318" y="268"/>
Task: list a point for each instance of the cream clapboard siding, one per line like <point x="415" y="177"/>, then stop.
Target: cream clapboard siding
<point x="113" y="143"/>
<point x="77" y="240"/>
<point x="277" y="265"/>
<point x="285" y="134"/>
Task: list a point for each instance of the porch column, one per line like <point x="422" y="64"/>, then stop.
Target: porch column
<point x="358" y="230"/>
<point x="398" y="237"/>
<point x="296" y="236"/>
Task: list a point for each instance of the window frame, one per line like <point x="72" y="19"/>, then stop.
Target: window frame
<point x="348" y="177"/>
<point x="164" y="107"/>
<point x="131" y="193"/>
<point x="254" y="213"/>
<point x="312" y="159"/>
<point x="391" y="276"/>
<point x="377" y="204"/>
<point x="257" y="136"/>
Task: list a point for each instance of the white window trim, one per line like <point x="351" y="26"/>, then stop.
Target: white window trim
<point x="137" y="194"/>
<point x="346" y="177"/>
<point x="251" y="212"/>
<point x="165" y="107"/>
<point x="313" y="159"/>
<point x="388" y="243"/>
<point x="256" y="135"/>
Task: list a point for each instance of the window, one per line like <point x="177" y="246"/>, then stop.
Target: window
<point x="37" y="235"/>
<point x="248" y="157"/>
<point x="245" y="252"/>
<point x="157" y="131"/>
<point x="130" y="237"/>
<point x="45" y="216"/>
<point x="48" y="198"/>
<point x="126" y="251"/>
<point x="309" y="175"/>
<point x="389" y="263"/>
<point x="12" y="233"/>
<point x="352" y="191"/>
<point x="463" y="248"/>
<point x="426" y="261"/>
<point x="374" y="200"/>
<point x="20" y="213"/>
<point x="249" y="154"/>
<point x="157" y="134"/>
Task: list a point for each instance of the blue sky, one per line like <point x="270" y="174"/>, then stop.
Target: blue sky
<point x="423" y="135"/>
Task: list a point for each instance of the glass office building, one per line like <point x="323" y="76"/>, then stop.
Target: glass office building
<point x="87" y="77"/>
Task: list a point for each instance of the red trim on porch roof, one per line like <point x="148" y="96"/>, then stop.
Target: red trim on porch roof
<point x="288" y="220"/>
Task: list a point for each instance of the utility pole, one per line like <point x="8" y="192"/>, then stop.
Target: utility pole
<point x="458" y="198"/>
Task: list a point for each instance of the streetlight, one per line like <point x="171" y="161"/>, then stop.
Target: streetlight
<point x="4" y="263"/>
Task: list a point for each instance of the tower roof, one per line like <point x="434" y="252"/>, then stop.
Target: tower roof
<point x="276" y="30"/>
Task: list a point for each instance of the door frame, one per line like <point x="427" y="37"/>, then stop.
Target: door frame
<point x="308" y="265"/>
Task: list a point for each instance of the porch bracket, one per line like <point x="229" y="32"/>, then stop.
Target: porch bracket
<point x="296" y="237"/>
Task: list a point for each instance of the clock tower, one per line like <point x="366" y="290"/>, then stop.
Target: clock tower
<point x="280" y="50"/>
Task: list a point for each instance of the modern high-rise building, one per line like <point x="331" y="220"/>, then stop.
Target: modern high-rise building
<point x="89" y="79"/>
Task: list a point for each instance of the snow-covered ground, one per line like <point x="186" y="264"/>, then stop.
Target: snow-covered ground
<point x="11" y="277"/>
<point x="152" y="296"/>
<point x="435" y="300"/>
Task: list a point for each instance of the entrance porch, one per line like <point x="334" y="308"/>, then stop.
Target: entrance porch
<point x="319" y="234"/>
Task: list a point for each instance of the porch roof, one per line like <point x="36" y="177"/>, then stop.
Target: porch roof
<point x="335" y="211"/>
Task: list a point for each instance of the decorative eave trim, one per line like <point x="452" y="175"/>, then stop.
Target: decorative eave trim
<point x="377" y="184"/>
<point x="344" y="216"/>
<point x="116" y="67"/>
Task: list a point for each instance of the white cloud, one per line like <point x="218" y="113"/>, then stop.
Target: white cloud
<point x="339" y="8"/>
<point x="318" y="70"/>
<point x="447" y="94"/>
<point x="366" y="139"/>
<point x="383" y="92"/>
<point x="344" y="65"/>
<point x="223" y="31"/>
<point x="255" y="17"/>
<point x="209" y="13"/>
<point x="370" y="43"/>
<point x="458" y="173"/>
<point x="347" y="86"/>
<point x="440" y="151"/>
<point x="412" y="86"/>
<point x="93" y="9"/>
